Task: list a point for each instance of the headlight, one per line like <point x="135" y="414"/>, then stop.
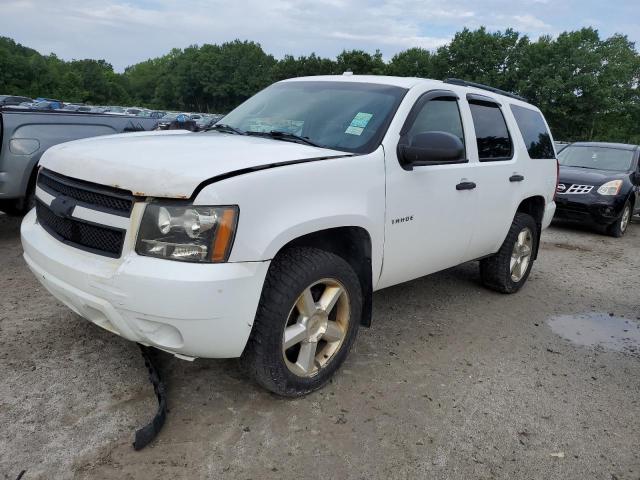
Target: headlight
<point x="610" y="188"/>
<point x="189" y="233"/>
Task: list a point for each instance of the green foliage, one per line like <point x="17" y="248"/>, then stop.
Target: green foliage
<point x="586" y="86"/>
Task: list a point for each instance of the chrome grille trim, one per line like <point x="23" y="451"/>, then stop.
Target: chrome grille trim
<point x="574" y="189"/>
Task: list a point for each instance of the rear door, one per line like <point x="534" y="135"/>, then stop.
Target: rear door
<point x="499" y="178"/>
<point x="428" y="220"/>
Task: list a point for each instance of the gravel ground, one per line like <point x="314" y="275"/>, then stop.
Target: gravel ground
<point x="453" y="381"/>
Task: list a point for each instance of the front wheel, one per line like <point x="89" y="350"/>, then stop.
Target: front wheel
<point x="306" y="322"/>
<point x="508" y="270"/>
<point x="620" y="226"/>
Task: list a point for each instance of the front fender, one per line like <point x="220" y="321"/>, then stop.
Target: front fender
<point x="280" y="204"/>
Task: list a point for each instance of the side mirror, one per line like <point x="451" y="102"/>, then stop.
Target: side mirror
<point x="429" y="148"/>
<point x="635" y="178"/>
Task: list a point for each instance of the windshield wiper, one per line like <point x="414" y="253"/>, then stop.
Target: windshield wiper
<point x="223" y="127"/>
<point x="286" y="136"/>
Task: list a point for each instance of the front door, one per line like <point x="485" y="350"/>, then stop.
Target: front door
<point x="429" y="209"/>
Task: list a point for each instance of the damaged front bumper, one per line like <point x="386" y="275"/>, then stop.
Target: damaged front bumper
<point x="190" y="310"/>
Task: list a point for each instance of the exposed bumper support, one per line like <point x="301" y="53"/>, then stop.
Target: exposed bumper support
<point x="146" y="434"/>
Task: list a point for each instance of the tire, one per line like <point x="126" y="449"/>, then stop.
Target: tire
<point x="20" y="206"/>
<point x="497" y="271"/>
<point x="301" y="280"/>
<point x="14" y="208"/>
<point x="619" y="227"/>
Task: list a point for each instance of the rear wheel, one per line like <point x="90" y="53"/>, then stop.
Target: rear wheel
<point x="508" y="270"/>
<point x="620" y="226"/>
<point x="306" y="322"/>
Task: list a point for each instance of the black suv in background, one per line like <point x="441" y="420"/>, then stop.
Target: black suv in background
<point x="599" y="184"/>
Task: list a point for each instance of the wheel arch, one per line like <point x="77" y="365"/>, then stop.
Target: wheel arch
<point x="534" y="206"/>
<point x="353" y="244"/>
<point x="631" y="198"/>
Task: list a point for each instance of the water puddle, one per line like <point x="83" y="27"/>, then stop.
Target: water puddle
<point x="599" y="330"/>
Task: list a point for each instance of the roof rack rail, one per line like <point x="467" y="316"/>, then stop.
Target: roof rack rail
<point x="465" y="83"/>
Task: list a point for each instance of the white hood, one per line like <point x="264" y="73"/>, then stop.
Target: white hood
<point x="169" y="164"/>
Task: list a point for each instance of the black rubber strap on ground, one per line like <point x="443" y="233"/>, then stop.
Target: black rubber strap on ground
<point x="146" y="434"/>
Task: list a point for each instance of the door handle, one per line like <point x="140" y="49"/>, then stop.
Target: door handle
<point x="465" y="186"/>
<point x="516" y="178"/>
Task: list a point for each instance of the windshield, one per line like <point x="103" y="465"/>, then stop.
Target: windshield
<point x="346" y="116"/>
<point x="599" y="158"/>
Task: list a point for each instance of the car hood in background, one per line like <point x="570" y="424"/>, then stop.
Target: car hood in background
<point x="171" y="163"/>
<point x="587" y="176"/>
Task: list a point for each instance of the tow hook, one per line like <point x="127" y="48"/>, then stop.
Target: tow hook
<point x="146" y="434"/>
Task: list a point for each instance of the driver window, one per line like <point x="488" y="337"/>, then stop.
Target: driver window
<point x="438" y="115"/>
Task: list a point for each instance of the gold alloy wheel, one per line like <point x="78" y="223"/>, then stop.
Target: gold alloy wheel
<point x="316" y="327"/>
<point x="521" y="254"/>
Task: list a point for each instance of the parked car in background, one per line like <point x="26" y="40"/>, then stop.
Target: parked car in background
<point x="46" y="104"/>
<point x="599" y="184"/>
<point x="169" y="118"/>
<point x="12" y="100"/>
<point x="322" y="190"/>
<point x="133" y="111"/>
<point x="77" y="107"/>
<point x="25" y="135"/>
<point x="208" y="120"/>
<point x="114" y="110"/>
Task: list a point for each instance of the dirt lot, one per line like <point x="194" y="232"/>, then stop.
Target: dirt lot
<point x="452" y="381"/>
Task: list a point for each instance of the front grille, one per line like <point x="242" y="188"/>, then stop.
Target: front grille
<point x="60" y="222"/>
<point x="116" y="200"/>
<point x="98" y="239"/>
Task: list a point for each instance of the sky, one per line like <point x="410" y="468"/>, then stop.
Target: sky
<point x="125" y="32"/>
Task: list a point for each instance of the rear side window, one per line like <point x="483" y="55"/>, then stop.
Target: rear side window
<point x="534" y="132"/>
<point x="492" y="135"/>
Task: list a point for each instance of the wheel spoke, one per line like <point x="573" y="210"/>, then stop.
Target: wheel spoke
<point x="294" y="334"/>
<point x="305" y="304"/>
<point x="522" y="238"/>
<point x="307" y="356"/>
<point x="519" y="268"/>
<point x="525" y="251"/>
<point x="334" y="332"/>
<point x="329" y="298"/>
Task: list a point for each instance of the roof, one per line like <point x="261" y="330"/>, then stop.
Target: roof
<point x="409" y="82"/>
<point x="619" y="146"/>
<point x="404" y="82"/>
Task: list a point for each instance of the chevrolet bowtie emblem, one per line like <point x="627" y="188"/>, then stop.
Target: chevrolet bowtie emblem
<point x="63" y="206"/>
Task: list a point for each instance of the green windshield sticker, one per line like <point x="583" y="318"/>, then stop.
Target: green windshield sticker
<point x="359" y="123"/>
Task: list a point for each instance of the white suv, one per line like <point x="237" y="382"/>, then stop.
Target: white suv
<point x="265" y="237"/>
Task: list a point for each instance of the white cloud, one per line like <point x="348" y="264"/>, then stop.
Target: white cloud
<point x="529" y="22"/>
<point x="127" y="31"/>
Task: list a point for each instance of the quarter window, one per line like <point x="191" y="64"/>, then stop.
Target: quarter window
<point x="492" y="135"/>
<point x="438" y="115"/>
<point x="534" y="132"/>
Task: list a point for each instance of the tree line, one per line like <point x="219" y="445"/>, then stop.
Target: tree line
<point x="587" y="87"/>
